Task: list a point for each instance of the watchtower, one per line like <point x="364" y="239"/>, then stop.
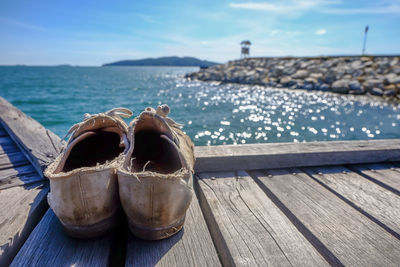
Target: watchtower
<point x="245" y="52"/>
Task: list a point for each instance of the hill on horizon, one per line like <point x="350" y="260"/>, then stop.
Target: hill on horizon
<point x="164" y="61"/>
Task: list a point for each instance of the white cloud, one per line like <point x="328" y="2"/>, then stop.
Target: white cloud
<point x="320" y="32"/>
<point x="298" y="7"/>
<point x="22" y="25"/>
<point x="391" y="9"/>
<point x="283" y="7"/>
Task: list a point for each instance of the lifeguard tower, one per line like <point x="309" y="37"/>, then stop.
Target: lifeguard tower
<point x="245" y="52"/>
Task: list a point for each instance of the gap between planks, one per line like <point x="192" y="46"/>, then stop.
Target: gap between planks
<point x="350" y="236"/>
<point x="386" y="175"/>
<point x="370" y="199"/>
<point x="247" y="227"/>
<point x="48" y="245"/>
<point x="192" y="246"/>
<point x="22" y="208"/>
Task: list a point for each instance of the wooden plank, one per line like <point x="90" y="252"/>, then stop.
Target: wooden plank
<point x="284" y="155"/>
<point x="22" y="175"/>
<point x="248" y="227"/>
<point x="39" y="144"/>
<point x="192" y="246"/>
<point x="386" y="175"/>
<point x="12" y="160"/>
<point x="352" y="238"/>
<point x="21" y="209"/>
<point x="372" y="200"/>
<point x="6" y="140"/>
<point x="48" y="245"/>
<point x="8" y="148"/>
<point x="3" y="132"/>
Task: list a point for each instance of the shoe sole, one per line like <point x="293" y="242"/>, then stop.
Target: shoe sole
<point x="148" y="233"/>
<point x="93" y="230"/>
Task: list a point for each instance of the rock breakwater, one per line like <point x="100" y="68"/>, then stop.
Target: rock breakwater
<point x="348" y="75"/>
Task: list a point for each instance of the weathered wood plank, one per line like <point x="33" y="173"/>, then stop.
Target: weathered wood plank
<point x="12" y="160"/>
<point x="192" y="246"/>
<point x="284" y="155"/>
<point x="8" y="148"/>
<point x="39" y="144"/>
<point x="372" y="200"/>
<point x="48" y="245"/>
<point x="22" y="175"/>
<point x="386" y="175"/>
<point x="352" y="238"/>
<point x="249" y="227"/>
<point x="3" y="132"/>
<point x="6" y="140"/>
<point x="21" y="209"/>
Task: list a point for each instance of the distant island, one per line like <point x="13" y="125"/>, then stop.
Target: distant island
<point x="164" y="61"/>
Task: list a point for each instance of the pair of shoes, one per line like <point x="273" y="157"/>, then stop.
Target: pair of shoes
<point x="147" y="167"/>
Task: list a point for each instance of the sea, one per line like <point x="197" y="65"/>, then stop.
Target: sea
<point x="211" y="113"/>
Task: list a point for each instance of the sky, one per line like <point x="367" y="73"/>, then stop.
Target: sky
<point x="90" y="33"/>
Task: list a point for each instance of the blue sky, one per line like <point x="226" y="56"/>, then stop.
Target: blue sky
<point x="48" y="32"/>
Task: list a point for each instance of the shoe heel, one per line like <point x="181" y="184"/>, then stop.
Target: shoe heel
<point x="147" y="233"/>
<point x="93" y="230"/>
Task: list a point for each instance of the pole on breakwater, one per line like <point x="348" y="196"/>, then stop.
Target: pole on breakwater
<point x="365" y="39"/>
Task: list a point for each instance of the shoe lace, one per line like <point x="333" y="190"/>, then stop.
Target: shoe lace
<point x="115" y="114"/>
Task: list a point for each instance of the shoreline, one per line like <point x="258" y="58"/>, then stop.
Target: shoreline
<point x="357" y="75"/>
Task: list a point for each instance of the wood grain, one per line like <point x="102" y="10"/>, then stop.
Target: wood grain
<point x="39" y="144"/>
<point x="22" y="175"/>
<point x="352" y="238"/>
<point x="8" y="148"/>
<point x="12" y="160"/>
<point x="284" y="155"/>
<point x="251" y="228"/>
<point x="26" y="148"/>
<point x="48" y="245"/>
<point x="192" y="246"/>
<point x="386" y="175"/>
<point x="21" y="209"/>
<point x="375" y="202"/>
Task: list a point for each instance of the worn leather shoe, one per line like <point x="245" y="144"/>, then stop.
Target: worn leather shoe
<point x="83" y="180"/>
<point x="156" y="175"/>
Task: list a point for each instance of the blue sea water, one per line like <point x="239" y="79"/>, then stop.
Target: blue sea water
<point x="211" y="113"/>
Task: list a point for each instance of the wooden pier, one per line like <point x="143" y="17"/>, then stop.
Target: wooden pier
<point x="286" y="204"/>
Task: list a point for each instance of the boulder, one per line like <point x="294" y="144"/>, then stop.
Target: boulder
<point x="392" y="78"/>
<point x="376" y="91"/>
<point x="389" y="87"/>
<point x="323" y="87"/>
<point x="289" y="71"/>
<point x="310" y="80"/>
<point x="286" y="80"/>
<point x="390" y="92"/>
<point x="356" y="64"/>
<point x="330" y="77"/>
<point x="357" y="73"/>
<point x="365" y="59"/>
<point x="308" y="86"/>
<point x="341" y="86"/>
<point x="373" y="83"/>
<point x="396" y="70"/>
<point x="300" y="74"/>
<point x="355" y="85"/>
<point x="316" y="76"/>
